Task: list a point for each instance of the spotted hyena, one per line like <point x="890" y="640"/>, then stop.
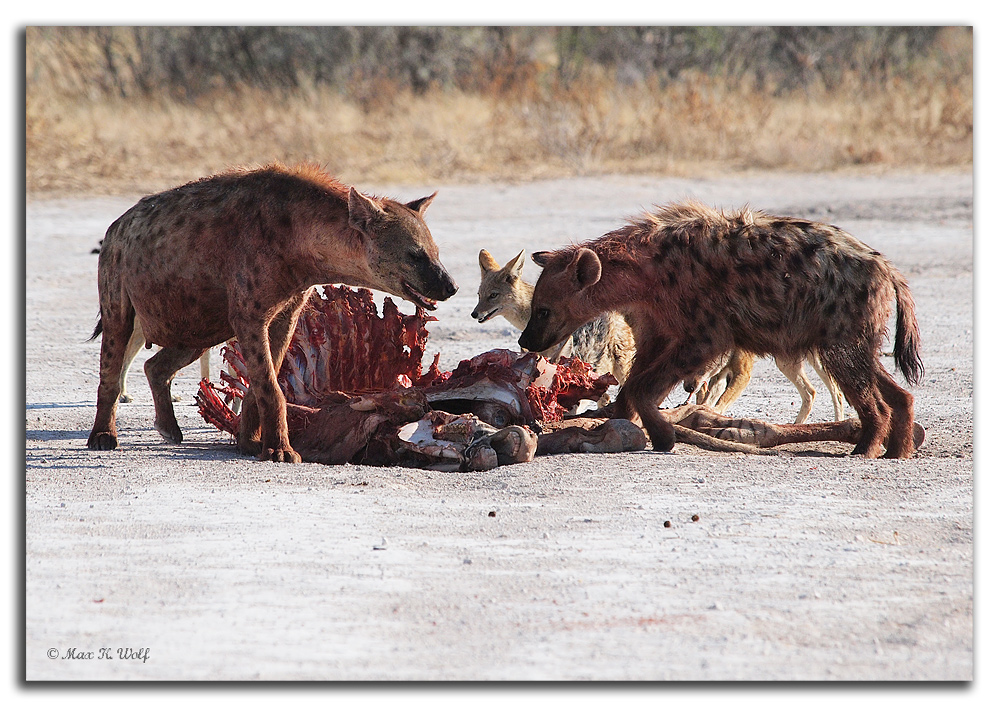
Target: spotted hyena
<point x="236" y="254"/>
<point x="698" y="282"/>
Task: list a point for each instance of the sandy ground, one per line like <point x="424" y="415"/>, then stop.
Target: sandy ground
<point x="167" y="562"/>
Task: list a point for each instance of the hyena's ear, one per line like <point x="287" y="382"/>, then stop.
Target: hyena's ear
<point x="420" y="205"/>
<point x="515" y="267"/>
<point x="363" y="212"/>
<point x="487" y="263"/>
<point x="542" y="257"/>
<point x="588" y="268"/>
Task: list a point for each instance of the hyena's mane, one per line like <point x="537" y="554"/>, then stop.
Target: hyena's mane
<point x="309" y="172"/>
<point x="685" y="223"/>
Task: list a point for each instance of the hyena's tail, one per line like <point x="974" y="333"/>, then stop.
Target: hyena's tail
<point x="906" y="331"/>
<point x="97" y="329"/>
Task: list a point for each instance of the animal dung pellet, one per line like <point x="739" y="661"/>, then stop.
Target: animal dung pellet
<point x="695" y="517"/>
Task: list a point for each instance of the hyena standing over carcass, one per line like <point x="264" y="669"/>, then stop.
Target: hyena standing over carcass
<point x="697" y="282"/>
<point x="237" y="254"/>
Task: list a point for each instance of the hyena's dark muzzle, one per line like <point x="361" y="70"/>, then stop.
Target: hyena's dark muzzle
<point x="537" y="336"/>
<point x="430" y="282"/>
<point x="439" y="284"/>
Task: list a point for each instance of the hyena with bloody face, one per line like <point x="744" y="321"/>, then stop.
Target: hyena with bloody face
<point x="697" y="282"/>
<point x="236" y="254"/>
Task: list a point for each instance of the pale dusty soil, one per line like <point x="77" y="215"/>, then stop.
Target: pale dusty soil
<point x="807" y="566"/>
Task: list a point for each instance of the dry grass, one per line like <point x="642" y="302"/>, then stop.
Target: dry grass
<point x="384" y="134"/>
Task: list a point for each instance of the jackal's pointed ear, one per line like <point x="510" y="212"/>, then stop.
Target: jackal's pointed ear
<point x="542" y="257"/>
<point x="588" y="268"/>
<point x="362" y="210"/>
<point x="515" y="267"/>
<point x="420" y="205"/>
<point x="487" y="263"/>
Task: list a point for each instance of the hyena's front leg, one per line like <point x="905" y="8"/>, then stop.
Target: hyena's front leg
<point x="265" y="402"/>
<point x="652" y="376"/>
<point x="116" y="331"/>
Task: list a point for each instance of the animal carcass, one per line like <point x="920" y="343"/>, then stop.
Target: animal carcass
<point x="357" y="392"/>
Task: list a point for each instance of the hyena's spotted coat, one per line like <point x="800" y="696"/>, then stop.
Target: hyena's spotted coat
<point x="236" y="254"/>
<point x="697" y="282"/>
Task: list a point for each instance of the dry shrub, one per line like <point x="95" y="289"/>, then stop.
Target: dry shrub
<point x="515" y="119"/>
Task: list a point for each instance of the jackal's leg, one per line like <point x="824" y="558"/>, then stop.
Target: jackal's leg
<point x="160" y="371"/>
<point x="116" y="324"/>
<point x="834" y="391"/>
<point x="206" y="364"/>
<point x="131" y="351"/>
<point x="282" y="328"/>
<point x="738" y="372"/>
<point x="794" y="371"/>
<point x="711" y="390"/>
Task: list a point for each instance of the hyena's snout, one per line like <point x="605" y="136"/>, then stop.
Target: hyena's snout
<point x="534" y="337"/>
<point x="441" y="285"/>
<point x="431" y="280"/>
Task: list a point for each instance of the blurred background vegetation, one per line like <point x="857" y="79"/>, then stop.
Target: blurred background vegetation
<point x="125" y="109"/>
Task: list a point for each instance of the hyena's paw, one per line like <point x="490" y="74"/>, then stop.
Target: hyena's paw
<point x="866" y="451"/>
<point x="289" y="456"/>
<point x="125" y="398"/>
<point x="169" y="431"/>
<point x="662" y="439"/>
<point x="102" y="441"/>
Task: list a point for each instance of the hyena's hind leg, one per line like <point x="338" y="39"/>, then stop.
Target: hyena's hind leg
<point x="115" y="328"/>
<point x="160" y="371"/>
<point x="135" y="342"/>
<point x="899" y="444"/>
<point x="854" y="370"/>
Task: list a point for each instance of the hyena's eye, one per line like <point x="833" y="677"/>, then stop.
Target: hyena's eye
<point x="543" y="313"/>
<point x="493" y="295"/>
<point x="414" y="255"/>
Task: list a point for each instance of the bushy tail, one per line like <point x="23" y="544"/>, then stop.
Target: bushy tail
<point x="906" y="332"/>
